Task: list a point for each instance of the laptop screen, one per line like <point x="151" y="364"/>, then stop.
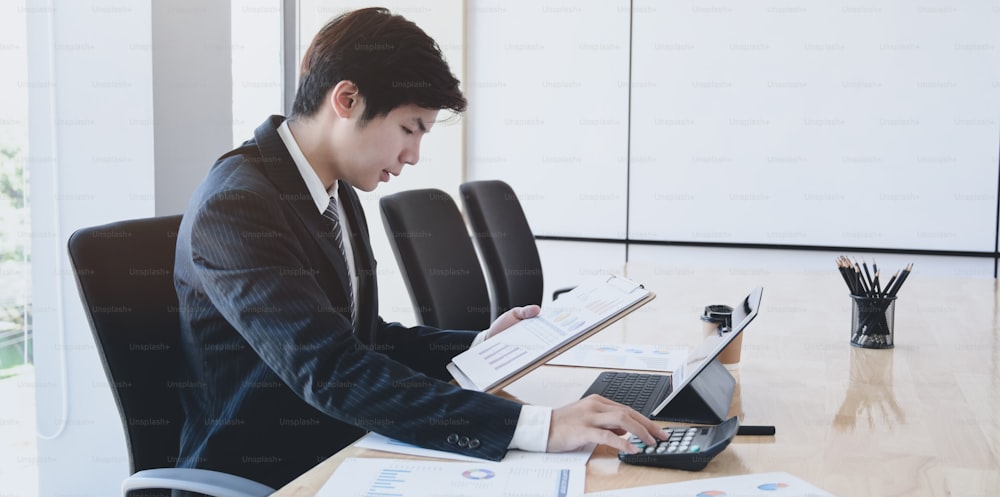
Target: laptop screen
<point x="712" y="346"/>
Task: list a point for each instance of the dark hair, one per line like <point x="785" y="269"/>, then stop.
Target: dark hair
<point x="390" y="59"/>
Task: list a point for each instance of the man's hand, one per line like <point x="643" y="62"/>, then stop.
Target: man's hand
<point x="511" y="317"/>
<point x="595" y="419"/>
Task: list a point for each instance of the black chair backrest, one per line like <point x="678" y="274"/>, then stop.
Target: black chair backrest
<point x="438" y="260"/>
<point x="505" y="240"/>
<point x="124" y="272"/>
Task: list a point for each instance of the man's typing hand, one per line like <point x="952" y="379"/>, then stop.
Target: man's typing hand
<point x="595" y="419"/>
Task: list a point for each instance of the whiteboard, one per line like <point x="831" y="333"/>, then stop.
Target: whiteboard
<point x="837" y="124"/>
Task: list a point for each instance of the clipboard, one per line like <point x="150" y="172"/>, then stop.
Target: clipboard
<point x="592" y="306"/>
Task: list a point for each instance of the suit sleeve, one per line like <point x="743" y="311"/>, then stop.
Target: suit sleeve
<point x="423" y="348"/>
<point x="243" y="250"/>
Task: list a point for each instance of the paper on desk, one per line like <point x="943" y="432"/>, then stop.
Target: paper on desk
<point x="358" y="477"/>
<point x="623" y="356"/>
<point x="574" y="314"/>
<point x="752" y="485"/>
<point x="379" y="442"/>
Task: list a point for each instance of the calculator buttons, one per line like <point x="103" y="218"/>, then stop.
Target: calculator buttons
<point x="683" y="447"/>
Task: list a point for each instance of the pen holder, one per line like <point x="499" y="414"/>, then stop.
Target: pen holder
<point x="872" y="321"/>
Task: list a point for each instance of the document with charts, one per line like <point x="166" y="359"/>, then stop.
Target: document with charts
<point x="377" y="477"/>
<point x="777" y="484"/>
<point x="564" y="322"/>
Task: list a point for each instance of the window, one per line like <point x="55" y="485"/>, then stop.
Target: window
<point x="17" y="416"/>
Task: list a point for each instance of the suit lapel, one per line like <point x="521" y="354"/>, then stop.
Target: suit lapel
<point x="279" y="167"/>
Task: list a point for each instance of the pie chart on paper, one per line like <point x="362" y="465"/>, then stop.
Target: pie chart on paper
<point x="478" y="474"/>
<point x="773" y="486"/>
<point x="711" y="493"/>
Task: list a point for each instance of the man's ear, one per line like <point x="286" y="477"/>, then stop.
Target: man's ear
<point x="345" y="99"/>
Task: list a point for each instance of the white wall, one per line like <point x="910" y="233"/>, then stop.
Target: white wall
<point x="822" y="124"/>
<point x="548" y="109"/>
<point x="760" y="262"/>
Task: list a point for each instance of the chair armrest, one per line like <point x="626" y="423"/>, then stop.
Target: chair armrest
<point x="561" y="291"/>
<point x="203" y="481"/>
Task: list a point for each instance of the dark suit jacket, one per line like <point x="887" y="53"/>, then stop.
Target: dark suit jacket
<point x="279" y="379"/>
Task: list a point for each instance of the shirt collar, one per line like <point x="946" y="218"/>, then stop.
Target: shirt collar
<point x="320" y="195"/>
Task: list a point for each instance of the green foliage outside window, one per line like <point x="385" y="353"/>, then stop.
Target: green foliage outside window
<point x="15" y="311"/>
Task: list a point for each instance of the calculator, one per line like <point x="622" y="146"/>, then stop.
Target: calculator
<point x="686" y="447"/>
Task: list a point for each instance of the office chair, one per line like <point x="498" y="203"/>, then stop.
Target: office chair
<point x="124" y="272"/>
<point x="439" y="262"/>
<point x="506" y="242"/>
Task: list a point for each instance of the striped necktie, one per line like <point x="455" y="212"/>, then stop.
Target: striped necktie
<point x="332" y="214"/>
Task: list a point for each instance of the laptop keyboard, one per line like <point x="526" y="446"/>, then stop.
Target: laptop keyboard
<point x="635" y="390"/>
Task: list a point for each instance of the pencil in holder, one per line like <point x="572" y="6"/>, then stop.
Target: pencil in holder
<point x="872" y="321"/>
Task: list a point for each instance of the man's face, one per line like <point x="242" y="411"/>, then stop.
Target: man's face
<point x="366" y="156"/>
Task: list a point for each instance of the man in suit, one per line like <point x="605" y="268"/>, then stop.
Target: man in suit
<point x="288" y="357"/>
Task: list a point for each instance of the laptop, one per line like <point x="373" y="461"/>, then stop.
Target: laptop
<point x="699" y="391"/>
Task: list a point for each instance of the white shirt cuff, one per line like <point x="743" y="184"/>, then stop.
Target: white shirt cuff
<point x="532" y="431"/>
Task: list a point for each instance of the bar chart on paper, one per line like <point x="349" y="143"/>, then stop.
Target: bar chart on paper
<point x="376" y="477"/>
<point x="389" y="482"/>
<point x="499" y="355"/>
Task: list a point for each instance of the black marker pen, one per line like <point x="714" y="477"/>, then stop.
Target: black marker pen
<point x="755" y="430"/>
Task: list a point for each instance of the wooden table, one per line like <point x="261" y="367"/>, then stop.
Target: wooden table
<point x="921" y="419"/>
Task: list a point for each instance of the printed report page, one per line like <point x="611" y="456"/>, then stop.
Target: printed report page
<point x="371" y="477"/>
<point x="560" y="322"/>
